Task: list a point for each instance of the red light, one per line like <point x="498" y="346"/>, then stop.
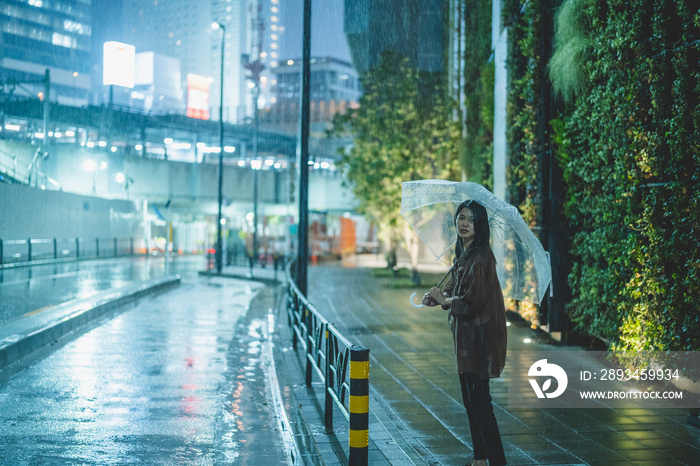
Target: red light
<point x="211" y="251"/>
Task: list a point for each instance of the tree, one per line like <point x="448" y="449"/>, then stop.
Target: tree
<point x="402" y="131"/>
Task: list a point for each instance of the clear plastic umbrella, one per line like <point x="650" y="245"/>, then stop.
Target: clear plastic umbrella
<point x="522" y="264"/>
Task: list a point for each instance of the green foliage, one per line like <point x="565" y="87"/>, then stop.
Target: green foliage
<point x="571" y="50"/>
<point x="488" y="78"/>
<point x="476" y="153"/>
<point x="403" y="278"/>
<point x="402" y="131"/>
<point x="401" y="272"/>
<point x="628" y="141"/>
<point x="631" y="157"/>
<point x="525" y="134"/>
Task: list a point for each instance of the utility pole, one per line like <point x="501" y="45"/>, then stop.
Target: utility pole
<point x="47" y="105"/>
<point x="218" y="257"/>
<point x="303" y="153"/>
<point x="256" y="68"/>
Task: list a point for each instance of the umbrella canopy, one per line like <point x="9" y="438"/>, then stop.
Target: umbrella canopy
<point x="522" y="264"/>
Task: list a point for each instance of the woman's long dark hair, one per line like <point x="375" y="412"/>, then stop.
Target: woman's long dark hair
<point x="482" y="232"/>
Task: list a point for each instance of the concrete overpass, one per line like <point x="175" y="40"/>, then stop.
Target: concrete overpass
<point x="134" y="165"/>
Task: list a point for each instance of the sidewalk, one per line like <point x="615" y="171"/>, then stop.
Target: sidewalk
<point x="305" y="408"/>
<point x="416" y="414"/>
<point x="379" y="261"/>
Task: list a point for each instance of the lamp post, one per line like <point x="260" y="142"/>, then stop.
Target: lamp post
<point x="255" y="165"/>
<point x="255" y="68"/>
<point x="90" y="166"/>
<point x="256" y="125"/>
<point x="219" y="242"/>
<point x="127" y="180"/>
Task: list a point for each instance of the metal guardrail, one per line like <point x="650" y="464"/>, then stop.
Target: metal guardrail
<point x="35" y="249"/>
<point x="31" y="175"/>
<point x="330" y="354"/>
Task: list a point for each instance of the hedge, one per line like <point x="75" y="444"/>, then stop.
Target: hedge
<point x="627" y="136"/>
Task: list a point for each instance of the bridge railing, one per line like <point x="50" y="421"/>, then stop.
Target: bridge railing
<point x="38" y="249"/>
<point x="342" y="366"/>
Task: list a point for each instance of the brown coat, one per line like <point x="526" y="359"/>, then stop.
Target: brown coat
<point x="477" y="314"/>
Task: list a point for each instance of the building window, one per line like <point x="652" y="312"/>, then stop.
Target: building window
<point x="63" y="40"/>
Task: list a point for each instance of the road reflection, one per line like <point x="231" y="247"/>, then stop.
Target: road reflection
<point x="27" y="290"/>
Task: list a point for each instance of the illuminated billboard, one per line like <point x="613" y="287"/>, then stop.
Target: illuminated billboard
<point x="198" y="96"/>
<point x="119" y="65"/>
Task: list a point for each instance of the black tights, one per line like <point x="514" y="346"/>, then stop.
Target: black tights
<point x="482" y="422"/>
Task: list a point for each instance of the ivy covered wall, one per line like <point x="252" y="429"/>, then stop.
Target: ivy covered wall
<point x="476" y="152"/>
<point x="624" y="133"/>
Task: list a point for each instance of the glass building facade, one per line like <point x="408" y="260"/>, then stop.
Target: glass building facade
<point x="46" y="34"/>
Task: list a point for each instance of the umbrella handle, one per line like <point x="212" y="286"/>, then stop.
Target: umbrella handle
<point x="414" y="304"/>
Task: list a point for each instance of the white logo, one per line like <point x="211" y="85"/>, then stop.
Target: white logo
<point x="542" y="369"/>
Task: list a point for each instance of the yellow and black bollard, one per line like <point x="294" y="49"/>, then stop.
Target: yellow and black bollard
<point x="359" y="406"/>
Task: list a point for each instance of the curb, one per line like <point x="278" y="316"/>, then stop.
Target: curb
<point x="266" y="281"/>
<point x="22" y="338"/>
<point x="289" y="375"/>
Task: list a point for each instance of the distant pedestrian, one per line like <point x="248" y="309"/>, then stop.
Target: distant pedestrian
<point x="477" y="319"/>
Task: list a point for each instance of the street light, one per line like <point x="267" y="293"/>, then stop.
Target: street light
<point x="90" y="166"/>
<point x="219" y="242"/>
<point x="127" y="180"/>
<point x="255" y="69"/>
<point x="256" y="165"/>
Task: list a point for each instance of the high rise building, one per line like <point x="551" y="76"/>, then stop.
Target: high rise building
<point x="40" y="35"/>
<point x="178" y="29"/>
<point x="267" y="30"/>
<point x="412" y="28"/>
<point x="334" y="88"/>
<point x="234" y="15"/>
<point x="66" y="37"/>
<point x="182" y="29"/>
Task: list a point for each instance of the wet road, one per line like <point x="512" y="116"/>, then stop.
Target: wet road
<point x="415" y="391"/>
<point x="30" y="289"/>
<point x="178" y="379"/>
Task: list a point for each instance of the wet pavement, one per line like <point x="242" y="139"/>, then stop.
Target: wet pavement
<point x="205" y="374"/>
<point x="33" y="288"/>
<point x="181" y="378"/>
<point x="416" y="412"/>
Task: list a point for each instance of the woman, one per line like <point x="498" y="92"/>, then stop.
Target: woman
<point x="477" y="319"/>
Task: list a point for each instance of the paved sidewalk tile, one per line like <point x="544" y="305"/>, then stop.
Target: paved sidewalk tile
<point x="416" y="399"/>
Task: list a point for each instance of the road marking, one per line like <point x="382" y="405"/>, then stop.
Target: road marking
<point x="37" y="311"/>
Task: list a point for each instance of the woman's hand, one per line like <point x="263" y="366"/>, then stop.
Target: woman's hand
<point x="428" y="300"/>
<point x="436" y="295"/>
